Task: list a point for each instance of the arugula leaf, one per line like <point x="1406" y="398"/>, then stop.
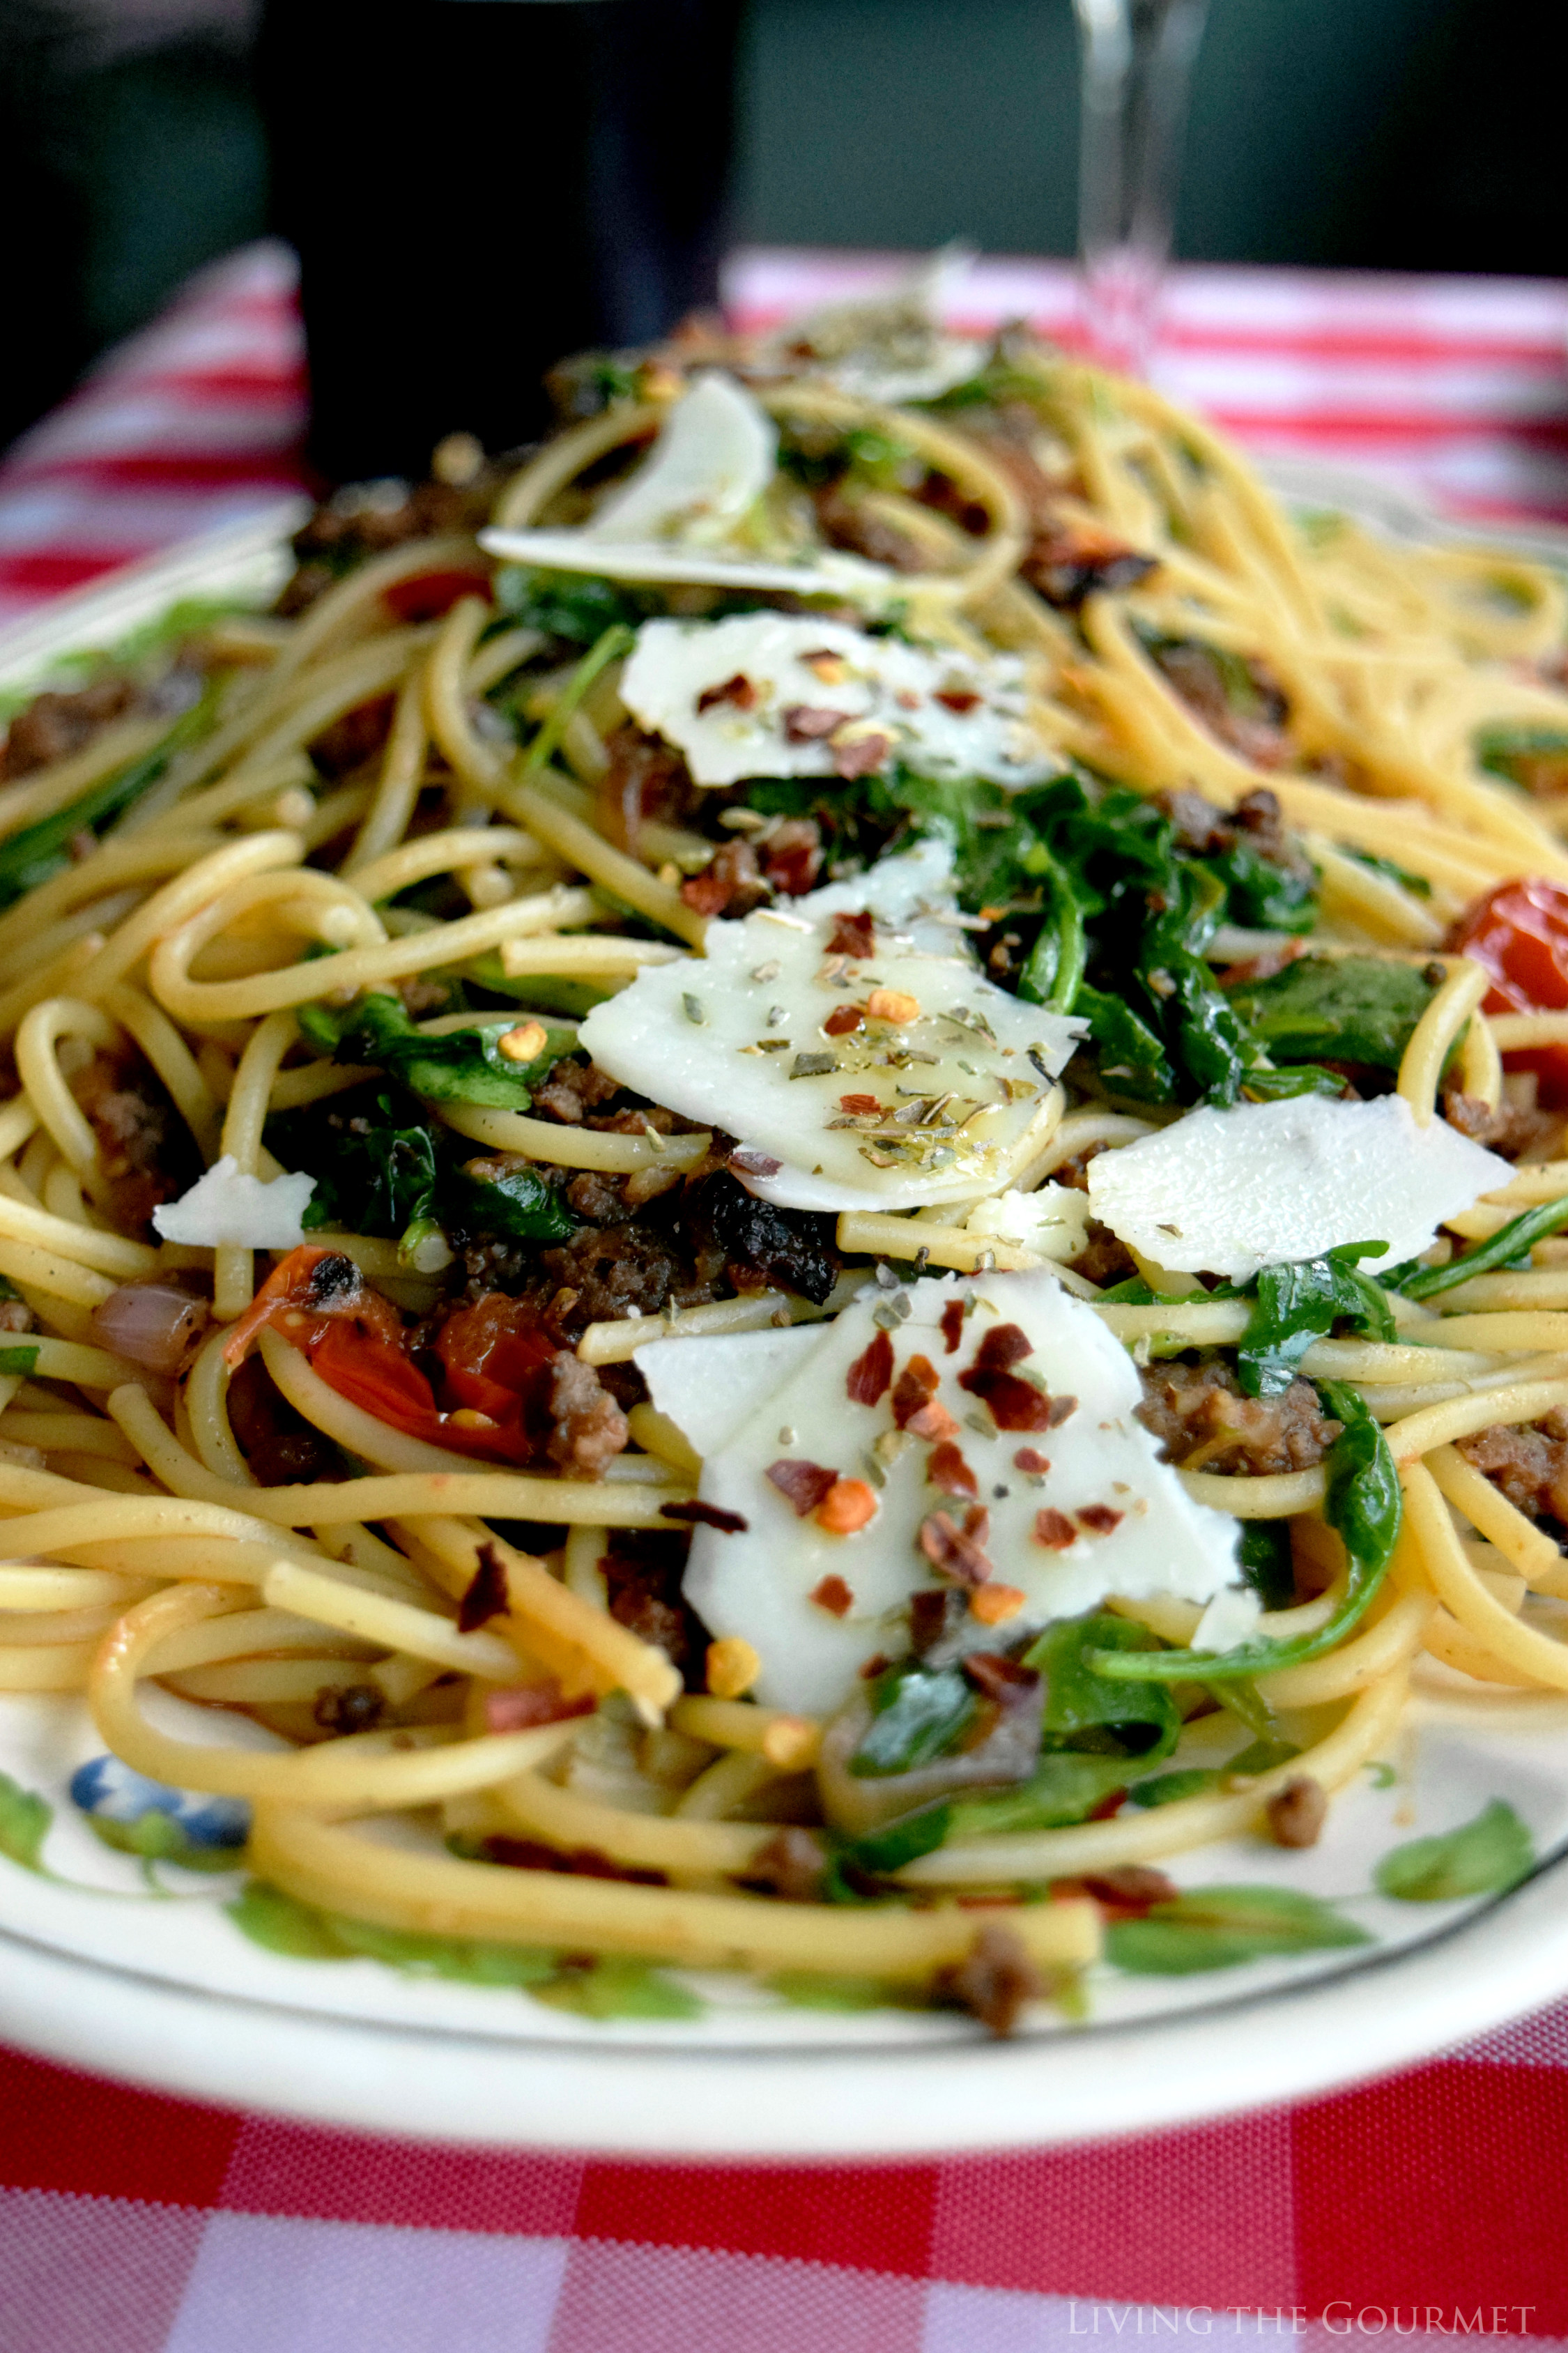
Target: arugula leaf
<point x="1169" y="1788"/>
<point x="535" y="992"/>
<point x="465" y="1065"/>
<point x="1300" y="1301"/>
<point x="375" y="1177"/>
<point x="1263" y="1558"/>
<point x="877" y="1855"/>
<point x="465" y="1960"/>
<point x="1262" y="896"/>
<point x="25" y="1819"/>
<point x="1514" y="1240"/>
<point x="918" y="1713"/>
<point x="38" y="850"/>
<point x="807" y="1990"/>
<point x="1220" y="1927"/>
<point x="1482" y="1857"/>
<point x="518" y="1203"/>
<point x="20" y="1359"/>
<point x="1065" y="1786"/>
<point x="1086" y="1710"/>
<point x="1349" y="1010"/>
<point x="570" y="604"/>
<point x="1132" y="1057"/>
<point x="1363" y="1505"/>
<point x="1416" y="884"/>
<point x="1535" y="758"/>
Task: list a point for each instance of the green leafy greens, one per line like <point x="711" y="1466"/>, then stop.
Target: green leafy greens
<point x="1301" y="1301"/>
<point x="1220" y="1927"/>
<point x="1341" y="1009"/>
<point x="31" y="856"/>
<point x="1363" y="1505"/>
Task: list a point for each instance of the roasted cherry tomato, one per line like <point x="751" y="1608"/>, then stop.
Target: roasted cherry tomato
<point x="1520" y="932"/>
<point x="429" y="595"/>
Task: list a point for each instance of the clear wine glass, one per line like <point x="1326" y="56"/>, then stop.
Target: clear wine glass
<point x="1137" y="60"/>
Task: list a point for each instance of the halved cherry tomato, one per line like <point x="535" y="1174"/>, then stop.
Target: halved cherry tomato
<point x="1520" y="932"/>
<point x="496" y="1377"/>
<point x="429" y="595"/>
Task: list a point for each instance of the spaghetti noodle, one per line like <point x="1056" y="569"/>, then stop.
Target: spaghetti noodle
<point x="404" y="1500"/>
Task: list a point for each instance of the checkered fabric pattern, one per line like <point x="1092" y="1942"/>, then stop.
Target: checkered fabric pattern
<point x="1453" y="387"/>
<point x="1422" y="2207"/>
<point x="1425" y="2206"/>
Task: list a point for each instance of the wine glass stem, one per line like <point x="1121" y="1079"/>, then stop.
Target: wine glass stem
<point x="1137" y="58"/>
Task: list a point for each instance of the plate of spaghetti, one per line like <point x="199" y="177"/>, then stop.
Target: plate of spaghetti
<point x="785" y="1248"/>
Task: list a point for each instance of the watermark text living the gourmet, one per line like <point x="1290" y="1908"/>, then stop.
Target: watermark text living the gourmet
<point x="1339" y="2319"/>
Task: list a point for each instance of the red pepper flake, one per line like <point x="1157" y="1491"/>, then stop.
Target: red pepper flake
<point x="842" y="1020"/>
<point x="952" y="1326"/>
<point x="749" y="1163"/>
<point x="707" y="1515"/>
<point x="948" y="1470"/>
<point x="738" y="690"/>
<point x="957" y="1553"/>
<point x="805" y="1484"/>
<point x="1100" y="1519"/>
<point x="805" y="724"/>
<point x="583" y="1861"/>
<point x="518" y="1707"/>
<point x="917" y="1384"/>
<point x="932" y="1421"/>
<point x="1034" y="1464"/>
<point x="860" y="755"/>
<point x="1054" y="1530"/>
<point x="834" y="1596"/>
<point x="952" y="698"/>
<point x="1006" y="1681"/>
<point x="860" y="1107"/>
<point x="854" y="934"/>
<point x="870" y="1373"/>
<point x="1061" y="1408"/>
<point x="1005" y="1345"/>
<point x="487" y="1595"/>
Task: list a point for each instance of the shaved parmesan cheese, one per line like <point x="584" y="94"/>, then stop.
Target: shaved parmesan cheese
<point x="803" y="690"/>
<point x="224" y="1206"/>
<point x="711" y="462"/>
<point x="708" y="1387"/>
<point x="1226" y="1192"/>
<point x="1230" y="1619"/>
<point x="881" y="1111"/>
<point x="1052" y="1223"/>
<point x="1118" y="1520"/>
<point x="889" y="347"/>
<point x="676" y="519"/>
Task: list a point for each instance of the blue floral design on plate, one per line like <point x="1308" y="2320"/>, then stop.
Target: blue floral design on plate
<point x="160" y="1824"/>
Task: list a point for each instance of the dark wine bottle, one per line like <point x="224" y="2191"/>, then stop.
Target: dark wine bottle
<point x="476" y="187"/>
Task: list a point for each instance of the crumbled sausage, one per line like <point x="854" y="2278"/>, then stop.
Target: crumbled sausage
<point x="995" y="1980"/>
<point x="573" y="1089"/>
<point x="1200" y="679"/>
<point x="1527" y="1460"/>
<point x="1297" y="1812"/>
<point x="791" y="1865"/>
<point x="145" y="1150"/>
<point x="642" y="1571"/>
<point x="1513" y="1130"/>
<point x="730" y="884"/>
<point x="601" y="1274"/>
<point x="52" y="726"/>
<point x="590" y="1426"/>
<point x="645" y="780"/>
<point x="1190" y="1406"/>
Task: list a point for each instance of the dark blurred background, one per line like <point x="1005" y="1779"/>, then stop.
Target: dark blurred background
<point x="1386" y="135"/>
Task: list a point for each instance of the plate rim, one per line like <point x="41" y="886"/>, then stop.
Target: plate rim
<point x="452" y="2086"/>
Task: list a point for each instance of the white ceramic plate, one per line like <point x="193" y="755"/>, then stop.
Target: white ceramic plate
<point x="143" y="1972"/>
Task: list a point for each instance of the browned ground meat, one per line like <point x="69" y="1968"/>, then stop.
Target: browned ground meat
<point x="53" y="726"/>
<point x="601" y="1274"/>
<point x="16" y="1315"/>
<point x="280" y="1444"/>
<point x="1257" y="821"/>
<point x="642" y="1573"/>
<point x="1104" y="1260"/>
<point x="358" y="736"/>
<point x="146" y="1149"/>
<point x="1189" y="1407"/>
<point x="572" y="1090"/>
<point x="1511" y="1129"/>
<point x="1195" y="676"/>
<point x="645" y="780"/>
<point x="1529" y="1461"/>
<point x="370" y="517"/>
<point x="590" y="1426"/>
<point x="996" y="1979"/>
<point x="730" y="884"/>
<point x="845" y="522"/>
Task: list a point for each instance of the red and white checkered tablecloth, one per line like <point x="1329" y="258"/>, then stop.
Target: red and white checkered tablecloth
<point x="1425" y="2207"/>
